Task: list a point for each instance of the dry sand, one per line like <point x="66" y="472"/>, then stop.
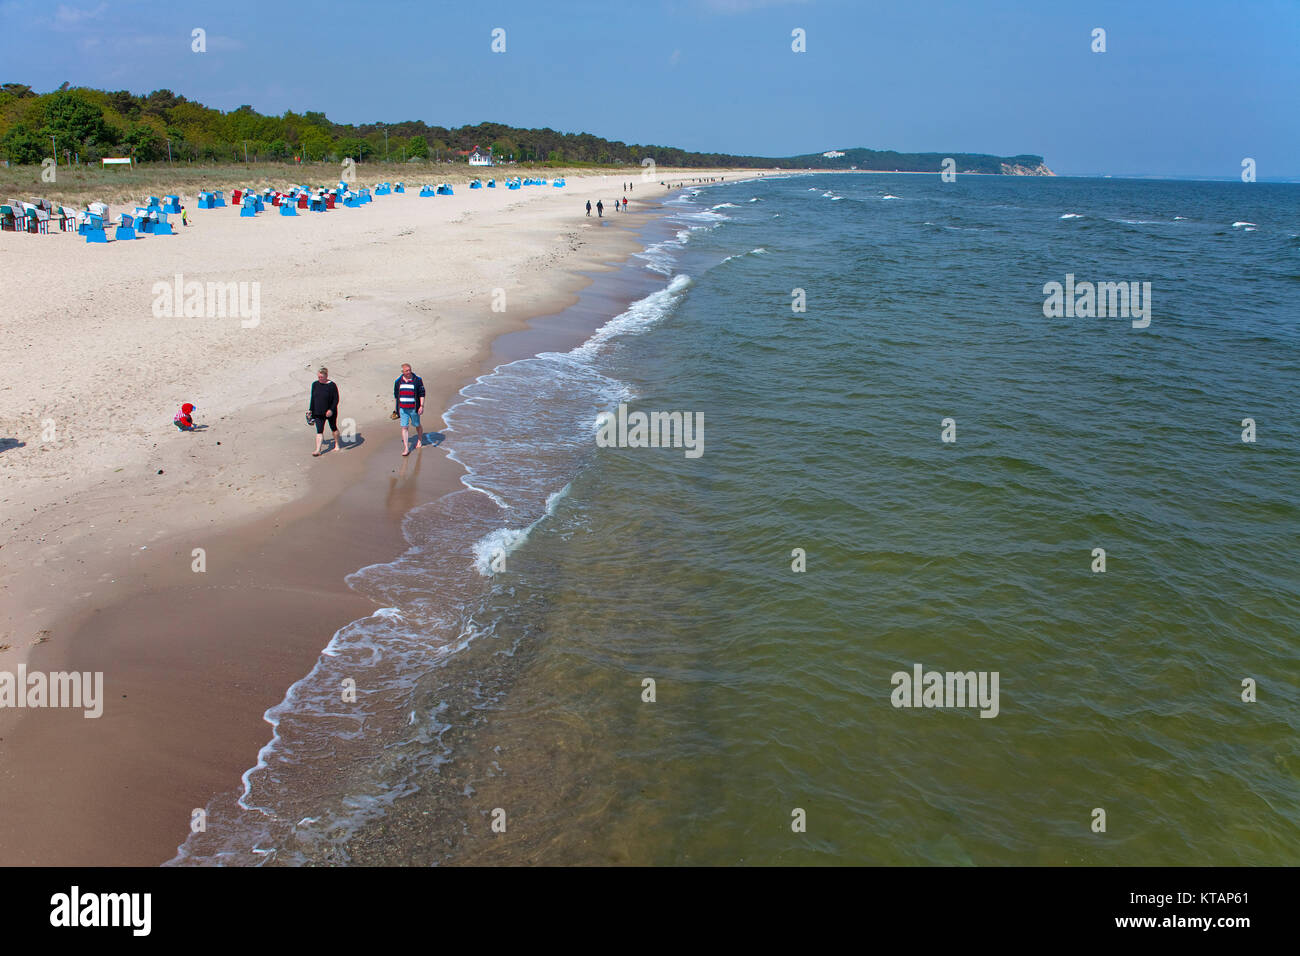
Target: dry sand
<point x="104" y="501"/>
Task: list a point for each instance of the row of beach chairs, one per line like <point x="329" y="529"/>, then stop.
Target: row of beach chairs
<point x="93" y="222"/>
<point x="36" y="217"/>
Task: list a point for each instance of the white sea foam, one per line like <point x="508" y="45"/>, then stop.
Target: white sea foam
<point x="1072" y="215"/>
<point x="638" y="317"/>
<point x="492" y="550"/>
<point x="760" y="251"/>
<point x="891" y="197"/>
<point x="660" y="256"/>
<point x="1240" y="224"/>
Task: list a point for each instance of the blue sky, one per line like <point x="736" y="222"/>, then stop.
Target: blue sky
<point x="1185" y="88"/>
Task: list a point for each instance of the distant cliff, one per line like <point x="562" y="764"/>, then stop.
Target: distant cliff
<point x="1009" y="169"/>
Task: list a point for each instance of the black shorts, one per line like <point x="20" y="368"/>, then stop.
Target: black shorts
<point x="320" y="424"/>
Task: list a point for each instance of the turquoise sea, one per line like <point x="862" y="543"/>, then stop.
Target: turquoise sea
<point x="828" y="538"/>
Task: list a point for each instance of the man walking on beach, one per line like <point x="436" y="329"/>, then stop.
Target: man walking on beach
<point x="600" y="209"/>
<point x="408" y="393"/>
<point x="324" y="408"/>
<point x="588" y="207"/>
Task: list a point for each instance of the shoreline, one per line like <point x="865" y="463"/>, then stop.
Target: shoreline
<point x="177" y="660"/>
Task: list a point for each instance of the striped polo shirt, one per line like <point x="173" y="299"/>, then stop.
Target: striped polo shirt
<point x="408" y="394"/>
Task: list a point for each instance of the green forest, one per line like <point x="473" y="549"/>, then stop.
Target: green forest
<point x="87" y="125"/>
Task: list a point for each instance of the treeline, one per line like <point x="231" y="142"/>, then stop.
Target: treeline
<point x="92" y="124"/>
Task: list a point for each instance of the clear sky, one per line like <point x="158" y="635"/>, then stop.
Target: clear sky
<point x="1185" y="88"/>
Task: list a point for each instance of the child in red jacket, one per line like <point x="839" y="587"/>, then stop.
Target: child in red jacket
<point x="182" y="420"/>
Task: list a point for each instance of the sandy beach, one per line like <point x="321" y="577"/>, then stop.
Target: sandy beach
<point x="108" y="510"/>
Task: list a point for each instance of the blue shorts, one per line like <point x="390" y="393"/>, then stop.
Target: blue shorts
<point x="410" y="417"/>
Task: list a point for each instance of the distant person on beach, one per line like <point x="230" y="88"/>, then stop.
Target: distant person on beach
<point x="324" y="408"/>
<point x="588" y="207"/>
<point x="408" y="393"/>
<point x="184" y="218"/>
<point x="625" y="204"/>
<point x="183" y="419"/>
<point x="600" y="209"/>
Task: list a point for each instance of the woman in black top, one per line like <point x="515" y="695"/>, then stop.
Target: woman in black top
<point x="325" y="408"/>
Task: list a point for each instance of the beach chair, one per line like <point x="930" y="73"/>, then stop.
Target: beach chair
<point x="444" y="189"/>
<point x="491" y="184"/>
<point x="236" y="196"/>
<point x="125" y="228"/>
<point x="8" y="219"/>
<point x="42" y="219"/>
<point x="400" y="188"/>
<point x="172" y="204"/>
<point x="92" y="227"/>
<point x="219" y="197"/>
<point x="426" y="192"/>
<point x="288" y="209"/>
